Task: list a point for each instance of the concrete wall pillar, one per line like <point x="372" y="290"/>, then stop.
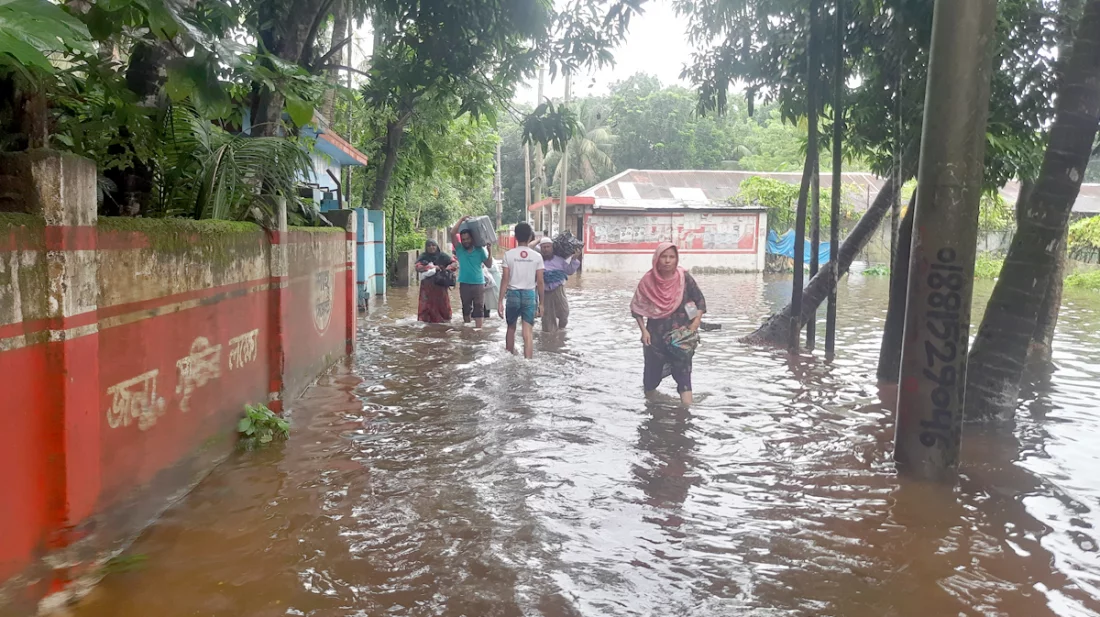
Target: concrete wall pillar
<point x="405" y="268"/>
<point x="378" y="218"/>
<point x="347" y="220"/>
<point x="277" y="309"/>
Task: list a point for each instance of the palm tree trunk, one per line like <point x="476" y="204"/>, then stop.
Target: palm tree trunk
<point x="777" y="329"/>
<point x="1000" y="350"/>
<point x="889" y="355"/>
<point x="339" y="33"/>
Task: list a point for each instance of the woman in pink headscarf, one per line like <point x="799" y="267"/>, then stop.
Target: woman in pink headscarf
<point x="668" y="306"/>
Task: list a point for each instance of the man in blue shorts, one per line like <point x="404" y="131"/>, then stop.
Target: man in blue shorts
<point x="521" y="290"/>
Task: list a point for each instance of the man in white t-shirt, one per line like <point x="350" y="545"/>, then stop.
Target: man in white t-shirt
<point x="521" y="290"/>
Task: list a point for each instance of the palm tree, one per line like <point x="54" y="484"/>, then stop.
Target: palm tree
<point x="589" y="150"/>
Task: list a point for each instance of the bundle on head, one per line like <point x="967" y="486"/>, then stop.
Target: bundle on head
<point x="565" y="245"/>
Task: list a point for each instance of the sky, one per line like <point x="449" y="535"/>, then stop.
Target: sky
<point x="656" y="43"/>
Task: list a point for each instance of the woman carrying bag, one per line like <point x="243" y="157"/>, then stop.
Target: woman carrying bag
<point x="436" y="270"/>
<point x="668" y="306"/>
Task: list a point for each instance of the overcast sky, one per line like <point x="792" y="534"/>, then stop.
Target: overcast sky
<point x="656" y="44"/>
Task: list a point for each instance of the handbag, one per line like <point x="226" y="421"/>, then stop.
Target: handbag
<point x="681" y="343"/>
<point x="444" y="278"/>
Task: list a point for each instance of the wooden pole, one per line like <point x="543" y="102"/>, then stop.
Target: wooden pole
<point x="497" y="189"/>
<point x="526" y="183"/>
<point x="834" y="212"/>
<point x="564" y="194"/>
<point x="932" y="387"/>
<point x="803" y="193"/>
<point x="540" y="165"/>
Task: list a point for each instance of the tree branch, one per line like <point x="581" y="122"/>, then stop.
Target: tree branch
<point x="319" y="64"/>
<point x="341" y="67"/>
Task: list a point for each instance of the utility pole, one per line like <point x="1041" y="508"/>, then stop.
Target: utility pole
<point x="527" y="183"/>
<point x="808" y="173"/>
<point x="351" y="103"/>
<point x="540" y="165"/>
<point x="564" y="195"/>
<point x="834" y="211"/>
<point x="497" y="192"/>
<point x="932" y="387"/>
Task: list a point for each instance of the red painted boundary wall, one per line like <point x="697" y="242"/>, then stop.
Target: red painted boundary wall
<point x="128" y="349"/>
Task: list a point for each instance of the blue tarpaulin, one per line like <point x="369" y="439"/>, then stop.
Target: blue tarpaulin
<point x="784" y="245"/>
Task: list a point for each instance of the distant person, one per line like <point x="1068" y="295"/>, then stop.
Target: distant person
<point x="471" y="278"/>
<point x="668" y="306"/>
<point x="521" y="290"/>
<point x="435" y="299"/>
<point x="555" y="311"/>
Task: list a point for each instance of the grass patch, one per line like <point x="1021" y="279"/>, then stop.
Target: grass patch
<point x="877" y="270"/>
<point x="124" y="563"/>
<point x="1084" y="280"/>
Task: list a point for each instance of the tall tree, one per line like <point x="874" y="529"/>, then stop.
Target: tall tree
<point x="590" y="149"/>
<point x="1000" y="348"/>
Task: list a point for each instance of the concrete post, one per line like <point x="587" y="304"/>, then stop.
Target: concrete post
<point x="378" y="218"/>
<point x="61" y="189"/>
<point x="280" y="286"/>
<point x="346" y="219"/>
<point x="941" y="273"/>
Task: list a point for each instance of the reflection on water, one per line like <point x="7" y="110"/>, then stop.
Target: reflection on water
<point x="439" y="476"/>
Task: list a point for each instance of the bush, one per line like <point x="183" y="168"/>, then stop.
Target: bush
<point x="988" y="265"/>
<point x="260" y="426"/>
<point x="877" y="270"/>
<point x="1084" y="280"/>
<point x="1084" y="239"/>
<point x="410" y="241"/>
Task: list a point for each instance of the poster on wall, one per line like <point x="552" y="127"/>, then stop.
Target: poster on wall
<point x="692" y="232"/>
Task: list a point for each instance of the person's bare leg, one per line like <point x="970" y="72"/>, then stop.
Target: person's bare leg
<point x="528" y="340"/>
<point x="686" y="398"/>
<point x="478" y="321"/>
<point x="510" y="339"/>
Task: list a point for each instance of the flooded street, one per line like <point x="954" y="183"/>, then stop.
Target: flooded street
<point x="435" y="475"/>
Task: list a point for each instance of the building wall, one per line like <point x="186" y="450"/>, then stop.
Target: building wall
<point x="707" y="240"/>
<point x="129" y="348"/>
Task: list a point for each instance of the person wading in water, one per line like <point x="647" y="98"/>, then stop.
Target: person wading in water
<point x="670" y="299"/>
<point x="555" y="312"/>
<point x="521" y="289"/>
<point x="471" y="278"/>
<point x="435" y="299"/>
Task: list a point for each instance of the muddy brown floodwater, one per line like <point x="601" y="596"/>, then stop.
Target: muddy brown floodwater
<point x="434" y="475"/>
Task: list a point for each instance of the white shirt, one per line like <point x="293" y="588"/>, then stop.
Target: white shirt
<point x="522" y="264"/>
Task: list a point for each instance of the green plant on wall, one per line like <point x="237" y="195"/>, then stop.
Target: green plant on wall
<point x="260" y="426"/>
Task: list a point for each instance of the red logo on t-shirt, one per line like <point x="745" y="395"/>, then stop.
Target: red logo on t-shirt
<point x="523" y="254"/>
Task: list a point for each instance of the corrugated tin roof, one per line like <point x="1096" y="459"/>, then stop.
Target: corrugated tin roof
<point x="658" y="189"/>
<point x="712" y="187"/>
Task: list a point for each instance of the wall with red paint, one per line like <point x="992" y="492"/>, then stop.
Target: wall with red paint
<point x="23" y="336"/>
<point x="188" y="322"/>
<point x="317" y="303"/>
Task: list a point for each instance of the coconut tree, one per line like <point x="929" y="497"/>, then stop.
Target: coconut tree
<point x="590" y="149"/>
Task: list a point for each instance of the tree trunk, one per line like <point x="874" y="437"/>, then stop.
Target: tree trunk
<point x="777" y="329"/>
<point x="290" y="40"/>
<point x="339" y="33"/>
<point x="889" y="355"/>
<point x="1042" y="341"/>
<point x="391" y="149"/>
<point x="1000" y="350"/>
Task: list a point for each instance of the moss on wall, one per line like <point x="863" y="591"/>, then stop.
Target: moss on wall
<point x="319" y="230"/>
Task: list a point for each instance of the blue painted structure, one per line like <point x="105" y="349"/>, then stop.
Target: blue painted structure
<point x="377" y="219"/>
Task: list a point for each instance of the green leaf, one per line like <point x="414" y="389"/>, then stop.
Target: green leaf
<point x="244" y="425"/>
<point x="301" y="111"/>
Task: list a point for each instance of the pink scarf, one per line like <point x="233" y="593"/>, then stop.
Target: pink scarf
<point x="658" y="297"/>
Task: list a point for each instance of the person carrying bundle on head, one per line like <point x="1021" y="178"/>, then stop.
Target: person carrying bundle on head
<point x="555" y="311"/>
